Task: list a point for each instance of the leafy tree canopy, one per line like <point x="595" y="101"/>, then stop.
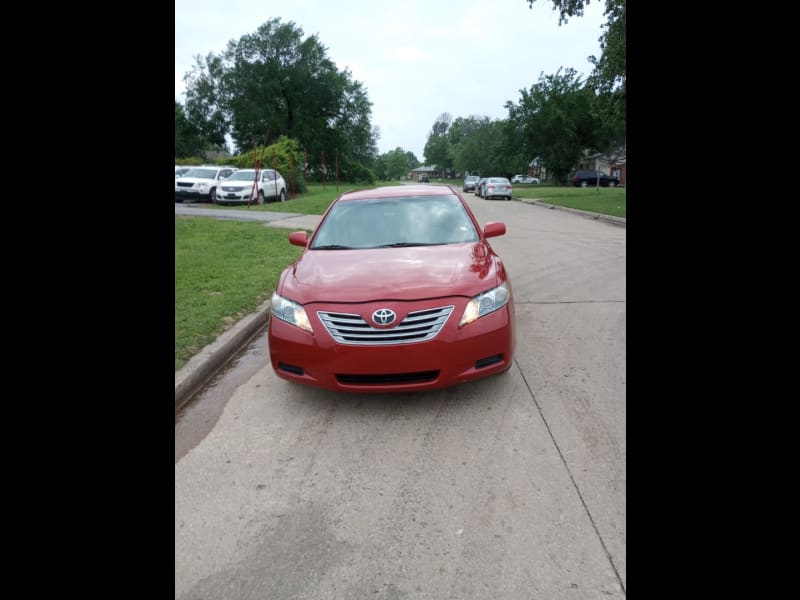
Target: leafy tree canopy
<point x="274" y="82"/>
<point x="555" y="121"/>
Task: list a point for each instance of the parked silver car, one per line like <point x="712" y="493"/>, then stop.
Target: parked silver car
<point x="497" y="187"/>
<point x="470" y="181"/>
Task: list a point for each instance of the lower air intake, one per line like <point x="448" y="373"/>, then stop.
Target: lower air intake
<point x="388" y="378"/>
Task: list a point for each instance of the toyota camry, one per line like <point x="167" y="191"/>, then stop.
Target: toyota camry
<point x="397" y="289"/>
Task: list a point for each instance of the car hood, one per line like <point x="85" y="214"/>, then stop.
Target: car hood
<point x="413" y="273"/>
<point x="195" y="180"/>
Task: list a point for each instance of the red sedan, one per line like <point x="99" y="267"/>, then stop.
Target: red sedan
<point x="398" y="289"/>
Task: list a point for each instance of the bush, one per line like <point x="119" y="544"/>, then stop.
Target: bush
<point x="276" y="156"/>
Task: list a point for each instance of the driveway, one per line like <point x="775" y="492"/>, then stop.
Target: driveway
<point x="507" y="488"/>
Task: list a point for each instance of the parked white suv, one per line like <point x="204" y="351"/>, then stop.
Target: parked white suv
<point x="201" y="183"/>
<point x="239" y="187"/>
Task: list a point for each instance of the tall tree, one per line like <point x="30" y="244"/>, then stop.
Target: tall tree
<point x="274" y="81"/>
<point x="554" y="121"/>
<point x="437" y="148"/>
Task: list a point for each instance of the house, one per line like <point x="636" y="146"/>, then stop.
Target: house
<point x="429" y="171"/>
<point x="536" y="169"/>
<point x="612" y="163"/>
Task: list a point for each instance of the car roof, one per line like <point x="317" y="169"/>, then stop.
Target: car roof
<point x="398" y="191"/>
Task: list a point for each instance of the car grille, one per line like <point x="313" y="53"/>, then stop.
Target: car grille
<point x="418" y="326"/>
<point x="184" y="184"/>
<point x="232" y="189"/>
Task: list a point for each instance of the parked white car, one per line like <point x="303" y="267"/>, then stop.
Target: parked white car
<point x="524" y="179"/>
<point x="201" y="183"/>
<point x="240" y="187"/>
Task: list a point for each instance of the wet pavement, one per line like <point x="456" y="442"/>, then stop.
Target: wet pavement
<point x="198" y="417"/>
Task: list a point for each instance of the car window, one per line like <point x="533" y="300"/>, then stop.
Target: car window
<point x="406" y="221"/>
<point x="201" y="173"/>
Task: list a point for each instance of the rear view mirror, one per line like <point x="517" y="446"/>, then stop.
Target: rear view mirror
<point x="494" y="228"/>
<point x="298" y="238"/>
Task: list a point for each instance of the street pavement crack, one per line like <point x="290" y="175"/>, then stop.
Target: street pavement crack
<point x="572" y="479"/>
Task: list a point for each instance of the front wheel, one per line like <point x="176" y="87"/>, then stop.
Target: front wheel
<point x="283" y="195"/>
<point x="612" y="184"/>
<point x="212" y="195"/>
<point x="584" y="184"/>
<point x="261" y="199"/>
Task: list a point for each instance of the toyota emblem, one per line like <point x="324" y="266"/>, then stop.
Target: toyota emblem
<point x="383" y="316"/>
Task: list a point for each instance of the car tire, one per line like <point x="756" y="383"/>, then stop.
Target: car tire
<point x="612" y="184"/>
<point x="584" y="184"/>
<point x="283" y="195"/>
<point x="212" y="196"/>
<point x="261" y="199"/>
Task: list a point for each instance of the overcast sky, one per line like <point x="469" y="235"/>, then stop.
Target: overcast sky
<point x="416" y="58"/>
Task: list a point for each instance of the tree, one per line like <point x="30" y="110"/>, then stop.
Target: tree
<point x="437" y="148"/>
<point x="273" y="82"/>
<point x="397" y="166"/>
<point x="554" y="121"/>
<point x="190" y="137"/>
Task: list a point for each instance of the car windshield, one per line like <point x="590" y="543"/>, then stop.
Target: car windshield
<point x="472" y="178"/>
<point x="395" y="222"/>
<point x="201" y="173"/>
<point x="245" y="175"/>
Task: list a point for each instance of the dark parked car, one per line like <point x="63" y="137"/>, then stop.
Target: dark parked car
<point x="424" y="179"/>
<point x="397" y="290"/>
<point x="589" y="178"/>
<point x="479" y="187"/>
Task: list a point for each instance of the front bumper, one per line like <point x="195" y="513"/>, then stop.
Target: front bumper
<point x="237" y="197"/>
<point x="456" y="355"/>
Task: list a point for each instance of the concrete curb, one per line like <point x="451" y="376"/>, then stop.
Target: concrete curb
<point x="206" y="363"/>
<point x="596" y="216"/>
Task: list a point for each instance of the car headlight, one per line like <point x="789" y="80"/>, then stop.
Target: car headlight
<point x="485" y="303"/>
<point x="291" y="312"/>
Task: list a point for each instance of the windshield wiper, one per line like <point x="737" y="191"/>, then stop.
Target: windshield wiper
<point x="408" y="244"/>
<point x="332" y="247"/>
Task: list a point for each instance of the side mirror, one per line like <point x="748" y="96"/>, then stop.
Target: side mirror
<point x="300" y="238"/>
<point x="494" y="228"/>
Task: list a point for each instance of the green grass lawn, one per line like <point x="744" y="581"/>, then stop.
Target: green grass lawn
<point x="223" y="271"/>
<point x="607" y="201"/>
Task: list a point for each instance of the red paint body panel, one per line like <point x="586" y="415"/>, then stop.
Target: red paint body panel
<point x="391" y="273"/>
<point x="453" y="352"/>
